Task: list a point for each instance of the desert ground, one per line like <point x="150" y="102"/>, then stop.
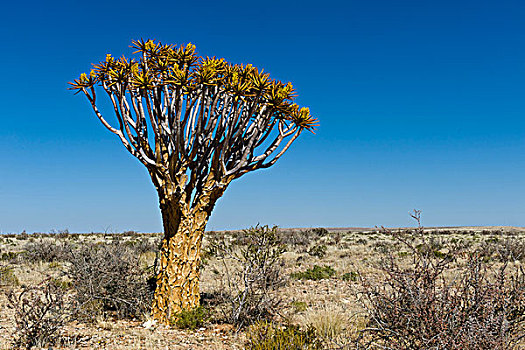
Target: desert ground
<point x="325" y="281"/>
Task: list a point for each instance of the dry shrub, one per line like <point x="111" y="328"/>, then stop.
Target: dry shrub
<point x="300" y="240"/>
<point x="253" y="273"/>
<point x="39" y="315"/>
<point x="144" y="245"/>
<point x="47" y="250"/>
<point x="329" y="323"/>
<point x="433" y="304"/>
<point x="108" y="277"/>
<point x="509" y="249"/>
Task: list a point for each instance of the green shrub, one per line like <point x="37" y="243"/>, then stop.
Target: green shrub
<point x="265" y="336"/>
<point x="440" y="255"/>
<point x="10" y="256"/>
<point x="8" y="277"/>
<point x="315" y="274"/>
<point x="350" y="276"/>
<point x="320" y="231"/>
<point x="191" y="319"/>
<point x="55" y="265"/>
<point x="318" y="251"/>
<point x="63" y="284"/>
<point x="383" y="247"/>
<point x="362" y="241"/>
<point x="299" y="306"/>
<point x="22" y="236"/>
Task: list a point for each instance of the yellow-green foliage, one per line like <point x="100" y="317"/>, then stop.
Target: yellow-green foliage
<point x="191" y="319"/>
<point x="265" y="336"/>
<point x="178" y="68"/>
<point x="350" y="276"/>
<point x="299" y="306"/>
<point x="315" y="274"/>
<point x="8" y="277"/>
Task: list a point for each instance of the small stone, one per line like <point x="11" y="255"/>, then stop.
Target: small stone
<point x="149" y="324"/>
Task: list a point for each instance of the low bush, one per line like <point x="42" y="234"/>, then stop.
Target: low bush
<point x="299" y="306"/>
<point x="108" y="278"/>
<point x="11" y="257"/>
<point x="299" y="239"/>
<point x="508" y="250"/>
<point x="266" y="336"/>
<point x="383" y="246"/>
<point x="252" y="275"/>
<point x="433" y="304"/>
<point x="319" y="251"/>
<point x="362" y="241"/>
<point x="316" y="273"/>
<point x="321" y="231"/>
<point x="329" y="324"/>
<point x="144" y="244"/>
<point x="46" y="251"/>
<point x="8" y="277"/>
<point x="191" y="319"/>
<point x="350" y="276"/>
<point x="39" y="315"/>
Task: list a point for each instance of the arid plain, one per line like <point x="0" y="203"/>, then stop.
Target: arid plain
<point x="324" y="280"/>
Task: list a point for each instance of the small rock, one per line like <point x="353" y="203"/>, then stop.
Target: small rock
<point x="149" y="324"/>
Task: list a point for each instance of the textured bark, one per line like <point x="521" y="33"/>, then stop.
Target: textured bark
<point x="178" y="279"/>
<point x="180" y="255"/>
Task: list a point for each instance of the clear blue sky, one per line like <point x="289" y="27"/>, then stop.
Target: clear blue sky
<point x="421" y="103"/>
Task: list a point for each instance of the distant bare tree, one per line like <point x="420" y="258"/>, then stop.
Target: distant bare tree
<point x="196" y="124"/>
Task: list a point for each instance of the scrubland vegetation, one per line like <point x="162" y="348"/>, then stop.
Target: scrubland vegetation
<point x="266" y="288"/>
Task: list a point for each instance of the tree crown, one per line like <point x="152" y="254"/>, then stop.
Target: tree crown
<point x="195" y="120"/>
<point x="181" y="68"/>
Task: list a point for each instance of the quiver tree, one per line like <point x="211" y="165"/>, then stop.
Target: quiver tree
<point x="196" y="124"/>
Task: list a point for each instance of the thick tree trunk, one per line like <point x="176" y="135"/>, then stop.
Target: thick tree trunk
<point x="180" y="256"/>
